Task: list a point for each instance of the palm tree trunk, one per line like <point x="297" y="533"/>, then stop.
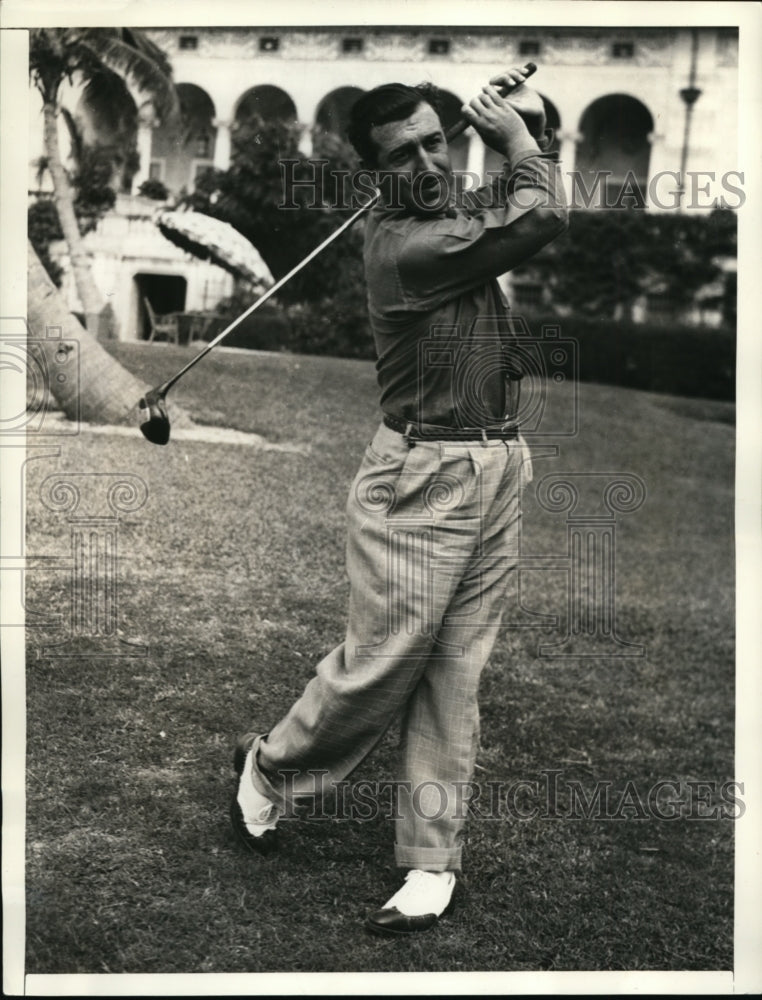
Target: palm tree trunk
<point x="95" y="388"/>
<point x="90" y="297"/>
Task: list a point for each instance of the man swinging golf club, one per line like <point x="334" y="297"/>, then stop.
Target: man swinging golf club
<point x="434" y="509"/>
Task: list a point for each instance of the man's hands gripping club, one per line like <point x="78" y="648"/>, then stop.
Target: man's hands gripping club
<point x="509" y="124"/>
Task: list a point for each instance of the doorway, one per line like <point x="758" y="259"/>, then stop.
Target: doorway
<point x="165" y="292"/>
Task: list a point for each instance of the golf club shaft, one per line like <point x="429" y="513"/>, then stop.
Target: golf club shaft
<point x="455" y="130"/>
<point x="461" y="124"/>
<point x="166" y="386"/>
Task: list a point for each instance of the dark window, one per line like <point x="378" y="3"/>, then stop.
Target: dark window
<point x="269" y="43"/>
<point x="623" y="50"/>
<point x="188" y="42"/>
<point x="439" y="46"/>
<point x="529" y="48"/>
<point x="351" y="45"/>
<point x="203" y="145"/>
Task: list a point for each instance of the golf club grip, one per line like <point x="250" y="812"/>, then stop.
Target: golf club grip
<point x="461" y="124"/>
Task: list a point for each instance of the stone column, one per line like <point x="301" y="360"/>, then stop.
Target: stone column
<point x="222" y="143"/>
<point x="146" y="125"/>
<point x="567" y="154"/>
<point x="305" y="142"/>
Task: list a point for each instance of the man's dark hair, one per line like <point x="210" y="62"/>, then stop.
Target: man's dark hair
<point x="392" y="102"/>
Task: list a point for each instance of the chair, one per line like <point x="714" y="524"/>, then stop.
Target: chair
<point x="199" y="325"/>
<point x="162" y="326"/>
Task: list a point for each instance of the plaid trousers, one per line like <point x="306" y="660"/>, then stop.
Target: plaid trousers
<point x="433" y="533"/>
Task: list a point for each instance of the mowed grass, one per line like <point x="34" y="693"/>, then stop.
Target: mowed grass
<point x="232" y="575"/>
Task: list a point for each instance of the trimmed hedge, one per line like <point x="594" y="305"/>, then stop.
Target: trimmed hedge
<point x="265" y="330"/>
<point x="681" y="360"/>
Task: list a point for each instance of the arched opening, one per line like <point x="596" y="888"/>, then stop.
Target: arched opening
<point x="178" y="157"/>
<point x="268" y="103"/>
<point x="615" y="150"/>
<point x="493" y="161"/>
<point x="333" y="111"/>
<point x="166" y="294"/>
<point x="267" y="109"/>
<point x="104" y="132"/>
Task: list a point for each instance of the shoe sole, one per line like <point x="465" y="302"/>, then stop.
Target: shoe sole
<point x="382" y="931"/>
<point x="385" y="931"/>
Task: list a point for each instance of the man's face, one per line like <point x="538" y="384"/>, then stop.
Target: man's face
<point x="413" y="154"/>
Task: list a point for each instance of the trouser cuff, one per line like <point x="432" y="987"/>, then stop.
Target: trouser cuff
<point x="260" y="781"/>
<point x="429" y="859"/>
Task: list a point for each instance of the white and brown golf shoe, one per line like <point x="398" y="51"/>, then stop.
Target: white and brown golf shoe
<point x="417" y="906"/>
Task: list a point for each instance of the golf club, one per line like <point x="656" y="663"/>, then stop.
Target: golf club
<point x="154" y="418"/>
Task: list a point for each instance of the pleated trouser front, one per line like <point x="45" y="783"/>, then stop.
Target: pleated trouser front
<point x="432" y="539"/>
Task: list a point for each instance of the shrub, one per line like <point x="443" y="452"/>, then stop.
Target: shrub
<point x="336" y="325"/>
<point x="267" y="329"/>
<point x="608" y="259"/>
<point x="154" y="189"/>
<point x="681" y="360"/>
<point x="250" y="195"/>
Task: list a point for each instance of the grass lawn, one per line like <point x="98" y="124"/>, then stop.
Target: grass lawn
<point x="232" y="576"/>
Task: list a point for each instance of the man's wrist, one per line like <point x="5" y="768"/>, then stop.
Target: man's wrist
<point x="518" y="145"/>
<point x="519" y="152"/>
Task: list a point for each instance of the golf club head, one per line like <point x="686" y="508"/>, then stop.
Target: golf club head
<point x="154" y="421"/>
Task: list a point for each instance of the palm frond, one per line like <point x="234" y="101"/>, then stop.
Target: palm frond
<point x="132" y="55"/>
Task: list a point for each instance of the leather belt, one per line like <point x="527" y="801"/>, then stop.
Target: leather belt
<point x="433" y="432"/>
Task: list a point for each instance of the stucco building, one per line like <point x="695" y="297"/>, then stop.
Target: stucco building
<point x="653" y="109"/>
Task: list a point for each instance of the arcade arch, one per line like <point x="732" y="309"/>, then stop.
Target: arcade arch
<point x="179" y="155"/>
<point x="615" y="138"/>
